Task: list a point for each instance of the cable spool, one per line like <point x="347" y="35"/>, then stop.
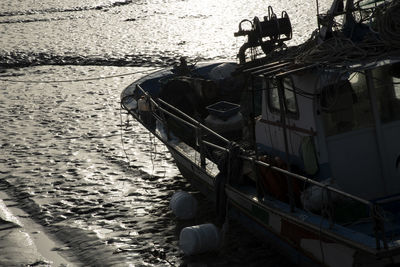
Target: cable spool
<point x="276" y="30"/>
<point x="183" y="205"/>
<point x="199" y="239"/>
<point x="273" y="27"/>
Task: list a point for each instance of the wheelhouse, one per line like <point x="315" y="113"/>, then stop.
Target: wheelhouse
<point x="337" y="123"/>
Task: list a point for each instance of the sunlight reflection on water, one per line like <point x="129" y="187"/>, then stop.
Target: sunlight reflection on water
<point x="155" y="32"/>
<point x="63" y="152"/>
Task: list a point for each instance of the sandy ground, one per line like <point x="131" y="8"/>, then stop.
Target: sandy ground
<point x="84" y="180"/>
<point x="24" y="242"/>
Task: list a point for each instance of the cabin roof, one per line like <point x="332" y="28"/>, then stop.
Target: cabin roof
<point x="283" y="67"/>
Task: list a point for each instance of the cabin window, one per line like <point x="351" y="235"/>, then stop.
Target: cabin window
<point x="251" y="98"/>
<point x="386" y="82"/>
<point x="346" y="105"/>
<point x="289" y="95"/>
<point x="258" y="87"/>
<point x="273" y="96"/>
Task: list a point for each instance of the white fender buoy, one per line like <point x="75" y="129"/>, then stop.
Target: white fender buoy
<point x="183" y="205"/>
<point x="199" y="238"/>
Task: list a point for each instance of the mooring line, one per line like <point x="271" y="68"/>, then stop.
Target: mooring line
<point x="78" y="80"/>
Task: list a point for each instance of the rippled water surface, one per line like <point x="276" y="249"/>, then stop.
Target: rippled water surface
<point x="73" y="159"/>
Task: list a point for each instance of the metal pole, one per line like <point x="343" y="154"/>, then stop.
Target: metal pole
<point x="378" y="129"/>
<point x="282" y="106"/>
<point x="252" y="117"/>
<point x="201" y="147"/>
<point x="193" y="121"/>
<point x="283" y="171"/>
<point x="319" y="27"/>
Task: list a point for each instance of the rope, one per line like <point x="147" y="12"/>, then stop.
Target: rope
<point x="388" y="24"/>
<point x="161" y="255"/>
<point x="340" y="49"/>
<point x="381" y="37"/>
<point x="153" y="152"/>
<point x="122" y="135"/>
<point x="78" y="80"/>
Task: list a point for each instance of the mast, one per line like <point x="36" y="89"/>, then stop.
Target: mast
<point x="326" y="30"/>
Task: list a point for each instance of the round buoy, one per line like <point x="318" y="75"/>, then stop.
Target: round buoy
<point x="199" y="238"/>
<point x="183" y="205"/>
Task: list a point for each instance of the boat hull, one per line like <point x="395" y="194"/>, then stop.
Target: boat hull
<point x="304" y="237"/>
<point x="302" y="245"/>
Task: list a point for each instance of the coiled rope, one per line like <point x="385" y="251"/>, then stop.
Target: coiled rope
<point x="388" y="24"/>
<point x="382" y="40"/>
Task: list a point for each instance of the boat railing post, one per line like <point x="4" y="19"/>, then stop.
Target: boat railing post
<point x="193" y="121"/>
<point x="376" y="227"/>
<point x="164" y="122"/>
<point x="291" y="193"/>
<point x="329" y="208"/>
<point x="282" y="108"/>
<point x="200" y="145"/>
<point x="259" y="186"/>
<point x="379" y="227"/>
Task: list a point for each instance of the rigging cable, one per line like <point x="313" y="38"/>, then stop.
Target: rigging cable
<point x="122" y="135"/>
<point x="79" y="80"/>
<point x="383" y="38"/>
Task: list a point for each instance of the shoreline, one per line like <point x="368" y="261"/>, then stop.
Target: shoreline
<point x="23" y="242"/>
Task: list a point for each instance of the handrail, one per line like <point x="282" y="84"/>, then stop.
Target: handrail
<point x="300" y="177"/>
<point x="176" y="117"/>
<point x="191" y="122"/>
<point x="194" y="123"/>
<point x="308" y="180"/>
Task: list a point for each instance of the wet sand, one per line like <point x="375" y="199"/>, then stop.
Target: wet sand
<point x="24" y="242"/>
<point x="73" y="166"/>
<point x="94" y="179"/>
<point x="64" y="164"/>
<point x="91" y="186"/>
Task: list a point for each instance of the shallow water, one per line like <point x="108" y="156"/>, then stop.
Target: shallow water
<point x="73" y="159"/>
<point x="127" y="32"/>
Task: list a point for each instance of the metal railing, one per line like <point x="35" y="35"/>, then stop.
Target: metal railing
<point x="159" y="109"/>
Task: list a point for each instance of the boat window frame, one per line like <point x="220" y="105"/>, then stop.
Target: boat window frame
<point x="276" y="110"/>
<point x="353" y="112"/>
<point x="257" y="99"/>
<point x="387" y="92"/>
